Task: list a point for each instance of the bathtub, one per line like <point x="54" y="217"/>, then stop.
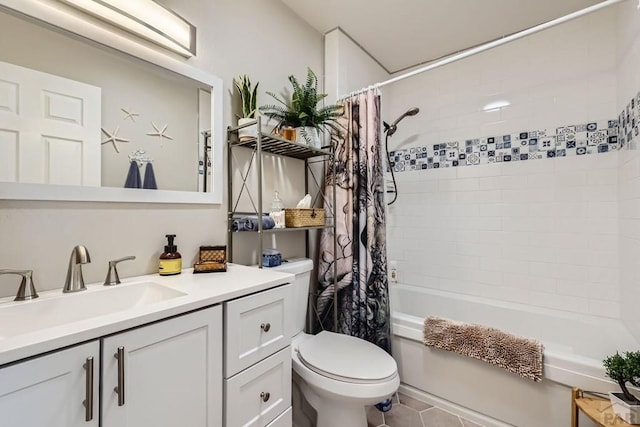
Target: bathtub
<point x="574" y="348"/>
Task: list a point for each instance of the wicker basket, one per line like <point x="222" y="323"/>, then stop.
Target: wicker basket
<point x="303" y="217"/>
<point x="211" y="259"/>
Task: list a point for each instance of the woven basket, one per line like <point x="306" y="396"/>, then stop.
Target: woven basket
<point x="211" y="259"/>
<point x="303" y="217"/>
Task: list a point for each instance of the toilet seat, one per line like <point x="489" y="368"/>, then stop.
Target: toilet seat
<point x="346" y="358"/>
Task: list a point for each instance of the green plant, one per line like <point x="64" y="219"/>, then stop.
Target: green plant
<point x="248" y="96"/>
<point x="302" y="109"/>
<point x="624" y="369"/>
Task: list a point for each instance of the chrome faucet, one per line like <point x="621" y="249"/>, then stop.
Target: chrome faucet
<point x="26" y="290"/>
<point x="75" y="281"/>
<point x="112" y="274"/>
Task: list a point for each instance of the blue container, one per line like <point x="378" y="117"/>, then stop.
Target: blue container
<point x="271" y="258"/>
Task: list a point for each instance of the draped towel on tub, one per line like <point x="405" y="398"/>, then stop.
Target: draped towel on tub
<point x="522" y="356"/>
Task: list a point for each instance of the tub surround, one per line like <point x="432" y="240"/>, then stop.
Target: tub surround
<point x="575" y="345"/>
<point x="200" y="290"/>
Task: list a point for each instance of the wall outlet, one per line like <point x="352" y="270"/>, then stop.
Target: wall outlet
<point x="393" y="275"/>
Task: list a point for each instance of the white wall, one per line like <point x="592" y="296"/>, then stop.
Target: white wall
<point x="541" y="232"/>
<point x="263" y="39"/>
<point x="347" y="67"/>
<point x="628" y="62"/>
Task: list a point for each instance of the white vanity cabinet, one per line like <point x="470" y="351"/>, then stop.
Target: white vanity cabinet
<point x="166" y="374"/>
<point x="258" y="359"/>
<point x="51" y="390"/>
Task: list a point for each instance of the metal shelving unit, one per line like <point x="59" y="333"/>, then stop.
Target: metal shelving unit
<point x="267" y="143"/>
<point x="262" y="144"/>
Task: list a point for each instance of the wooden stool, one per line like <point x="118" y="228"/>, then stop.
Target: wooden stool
<point x="597" y="409"/>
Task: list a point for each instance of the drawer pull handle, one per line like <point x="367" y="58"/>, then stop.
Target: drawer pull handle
<point x="120" y="388"/>
<point x="265" y="327"/>
<point x="88" y="403"/>
<point x="265" y="395"/>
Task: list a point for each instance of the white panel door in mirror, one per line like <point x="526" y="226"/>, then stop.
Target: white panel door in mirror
<point x="49" y="128"/>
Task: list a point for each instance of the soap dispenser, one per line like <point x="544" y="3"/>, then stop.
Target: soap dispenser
<point x="170" y="259"/>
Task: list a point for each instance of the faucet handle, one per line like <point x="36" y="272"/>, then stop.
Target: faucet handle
<point x="112" y="274"/>
<point x="27" y="290"/>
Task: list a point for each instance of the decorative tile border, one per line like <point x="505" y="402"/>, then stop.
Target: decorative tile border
<point x="629" y="119"/>
<point x="573" y="140"/>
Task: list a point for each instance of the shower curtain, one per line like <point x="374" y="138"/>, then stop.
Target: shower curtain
<point x="360" y="257"/>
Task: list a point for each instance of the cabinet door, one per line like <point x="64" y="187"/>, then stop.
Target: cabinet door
<point x="52" y="390"/>
<point x="170" y="373"/>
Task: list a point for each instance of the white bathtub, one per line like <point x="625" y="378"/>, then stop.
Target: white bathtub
<point x="574" y="348"/>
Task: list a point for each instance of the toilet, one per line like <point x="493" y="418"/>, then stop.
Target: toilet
<point x="334" y="374"/>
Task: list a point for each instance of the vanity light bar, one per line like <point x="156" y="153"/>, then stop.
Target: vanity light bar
<point x="144" y="18"/>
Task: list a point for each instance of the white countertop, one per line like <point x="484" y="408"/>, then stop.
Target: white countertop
<point x="201" y="290"/>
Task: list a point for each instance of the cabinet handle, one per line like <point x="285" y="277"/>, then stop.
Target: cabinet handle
<point x="88" y="403"/>
<point x="265" y="395"/>
<point x="119" y="389"/>
<point x="265" y="327"/>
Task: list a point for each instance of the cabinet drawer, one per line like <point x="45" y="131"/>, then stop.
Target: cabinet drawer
<point x="259" y="394"/>
<point x="256" y="327"/>
<point x="284" y="420"/>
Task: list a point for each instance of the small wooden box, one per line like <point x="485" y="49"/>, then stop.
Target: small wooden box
<point x="211" y="259"/>
<point x="303" y="217"/>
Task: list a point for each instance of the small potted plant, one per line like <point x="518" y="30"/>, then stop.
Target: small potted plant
<point x="624" y="369"/>
<point x="248" y="99"/>
<point x="303" y="113"/>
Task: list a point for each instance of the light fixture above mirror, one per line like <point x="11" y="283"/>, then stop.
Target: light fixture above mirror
<point x="144" y="18"/>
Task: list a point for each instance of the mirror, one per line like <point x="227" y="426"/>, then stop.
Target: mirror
<point x="153" y="111"/>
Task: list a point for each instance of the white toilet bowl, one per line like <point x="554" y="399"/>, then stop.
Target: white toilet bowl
<point x="341" y="376"/>
<point x="338" y="375"/>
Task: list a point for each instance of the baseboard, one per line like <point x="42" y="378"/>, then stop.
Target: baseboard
<point x="451" y="407"/>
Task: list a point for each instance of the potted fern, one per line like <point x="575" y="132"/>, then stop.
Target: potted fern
<point x="624" y="369"/>
<point x="248" y="99"/>
<point x="303" y="113"/>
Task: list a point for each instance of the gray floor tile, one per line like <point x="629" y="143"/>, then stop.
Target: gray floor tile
<point x="416" y="404"/>
<point x="403" y="416"/>
<point x="438" y="418"/>
<point x="467" y="423"/>
<point x="374" y="417"/>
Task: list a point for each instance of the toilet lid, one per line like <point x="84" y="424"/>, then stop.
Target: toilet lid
<point x="346" y="358"/>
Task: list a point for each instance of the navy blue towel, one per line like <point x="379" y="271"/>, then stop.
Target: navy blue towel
<point x="149" y="178"/>
<point x="250" y="223"/>
<point x="133" y="176"/>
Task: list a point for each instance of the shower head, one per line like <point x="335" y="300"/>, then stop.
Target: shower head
<point x="391" y="129"/>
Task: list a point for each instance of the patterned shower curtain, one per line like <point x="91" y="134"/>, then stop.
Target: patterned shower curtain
<point x="360" y="258"/>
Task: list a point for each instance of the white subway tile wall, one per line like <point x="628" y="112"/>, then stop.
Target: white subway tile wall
<point x="555" y="232"/>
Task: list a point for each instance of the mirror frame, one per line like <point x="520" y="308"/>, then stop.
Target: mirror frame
<point x="75" y="23"/>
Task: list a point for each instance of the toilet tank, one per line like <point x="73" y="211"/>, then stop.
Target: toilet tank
<point x="301" y="268"/>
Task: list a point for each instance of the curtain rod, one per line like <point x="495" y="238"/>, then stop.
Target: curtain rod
<point x="492" y="44"/>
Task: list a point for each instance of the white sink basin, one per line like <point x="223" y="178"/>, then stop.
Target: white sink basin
<point x="50" y="311"/>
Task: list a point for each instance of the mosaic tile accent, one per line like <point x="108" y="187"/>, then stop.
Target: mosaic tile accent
<point x="573" y="140"/>
<point x="628" y="123"/>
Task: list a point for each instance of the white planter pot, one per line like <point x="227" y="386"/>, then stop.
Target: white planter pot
<point x="249" y="132"/>
<point x="308" y="136"/>
<point x="629" y="413"/>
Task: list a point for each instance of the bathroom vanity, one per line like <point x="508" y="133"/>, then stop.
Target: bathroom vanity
<point x="196" y="350"/>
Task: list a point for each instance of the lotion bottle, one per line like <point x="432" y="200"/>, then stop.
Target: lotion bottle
<point x="170" y="259"/>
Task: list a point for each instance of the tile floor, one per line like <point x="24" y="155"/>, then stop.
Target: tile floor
<point x="409" y="412"/>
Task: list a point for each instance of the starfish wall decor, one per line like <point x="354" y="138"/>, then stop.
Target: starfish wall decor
<point x="159" y="132"/>
<point x="113" y="138"/>
<point x="129" y="114"/>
